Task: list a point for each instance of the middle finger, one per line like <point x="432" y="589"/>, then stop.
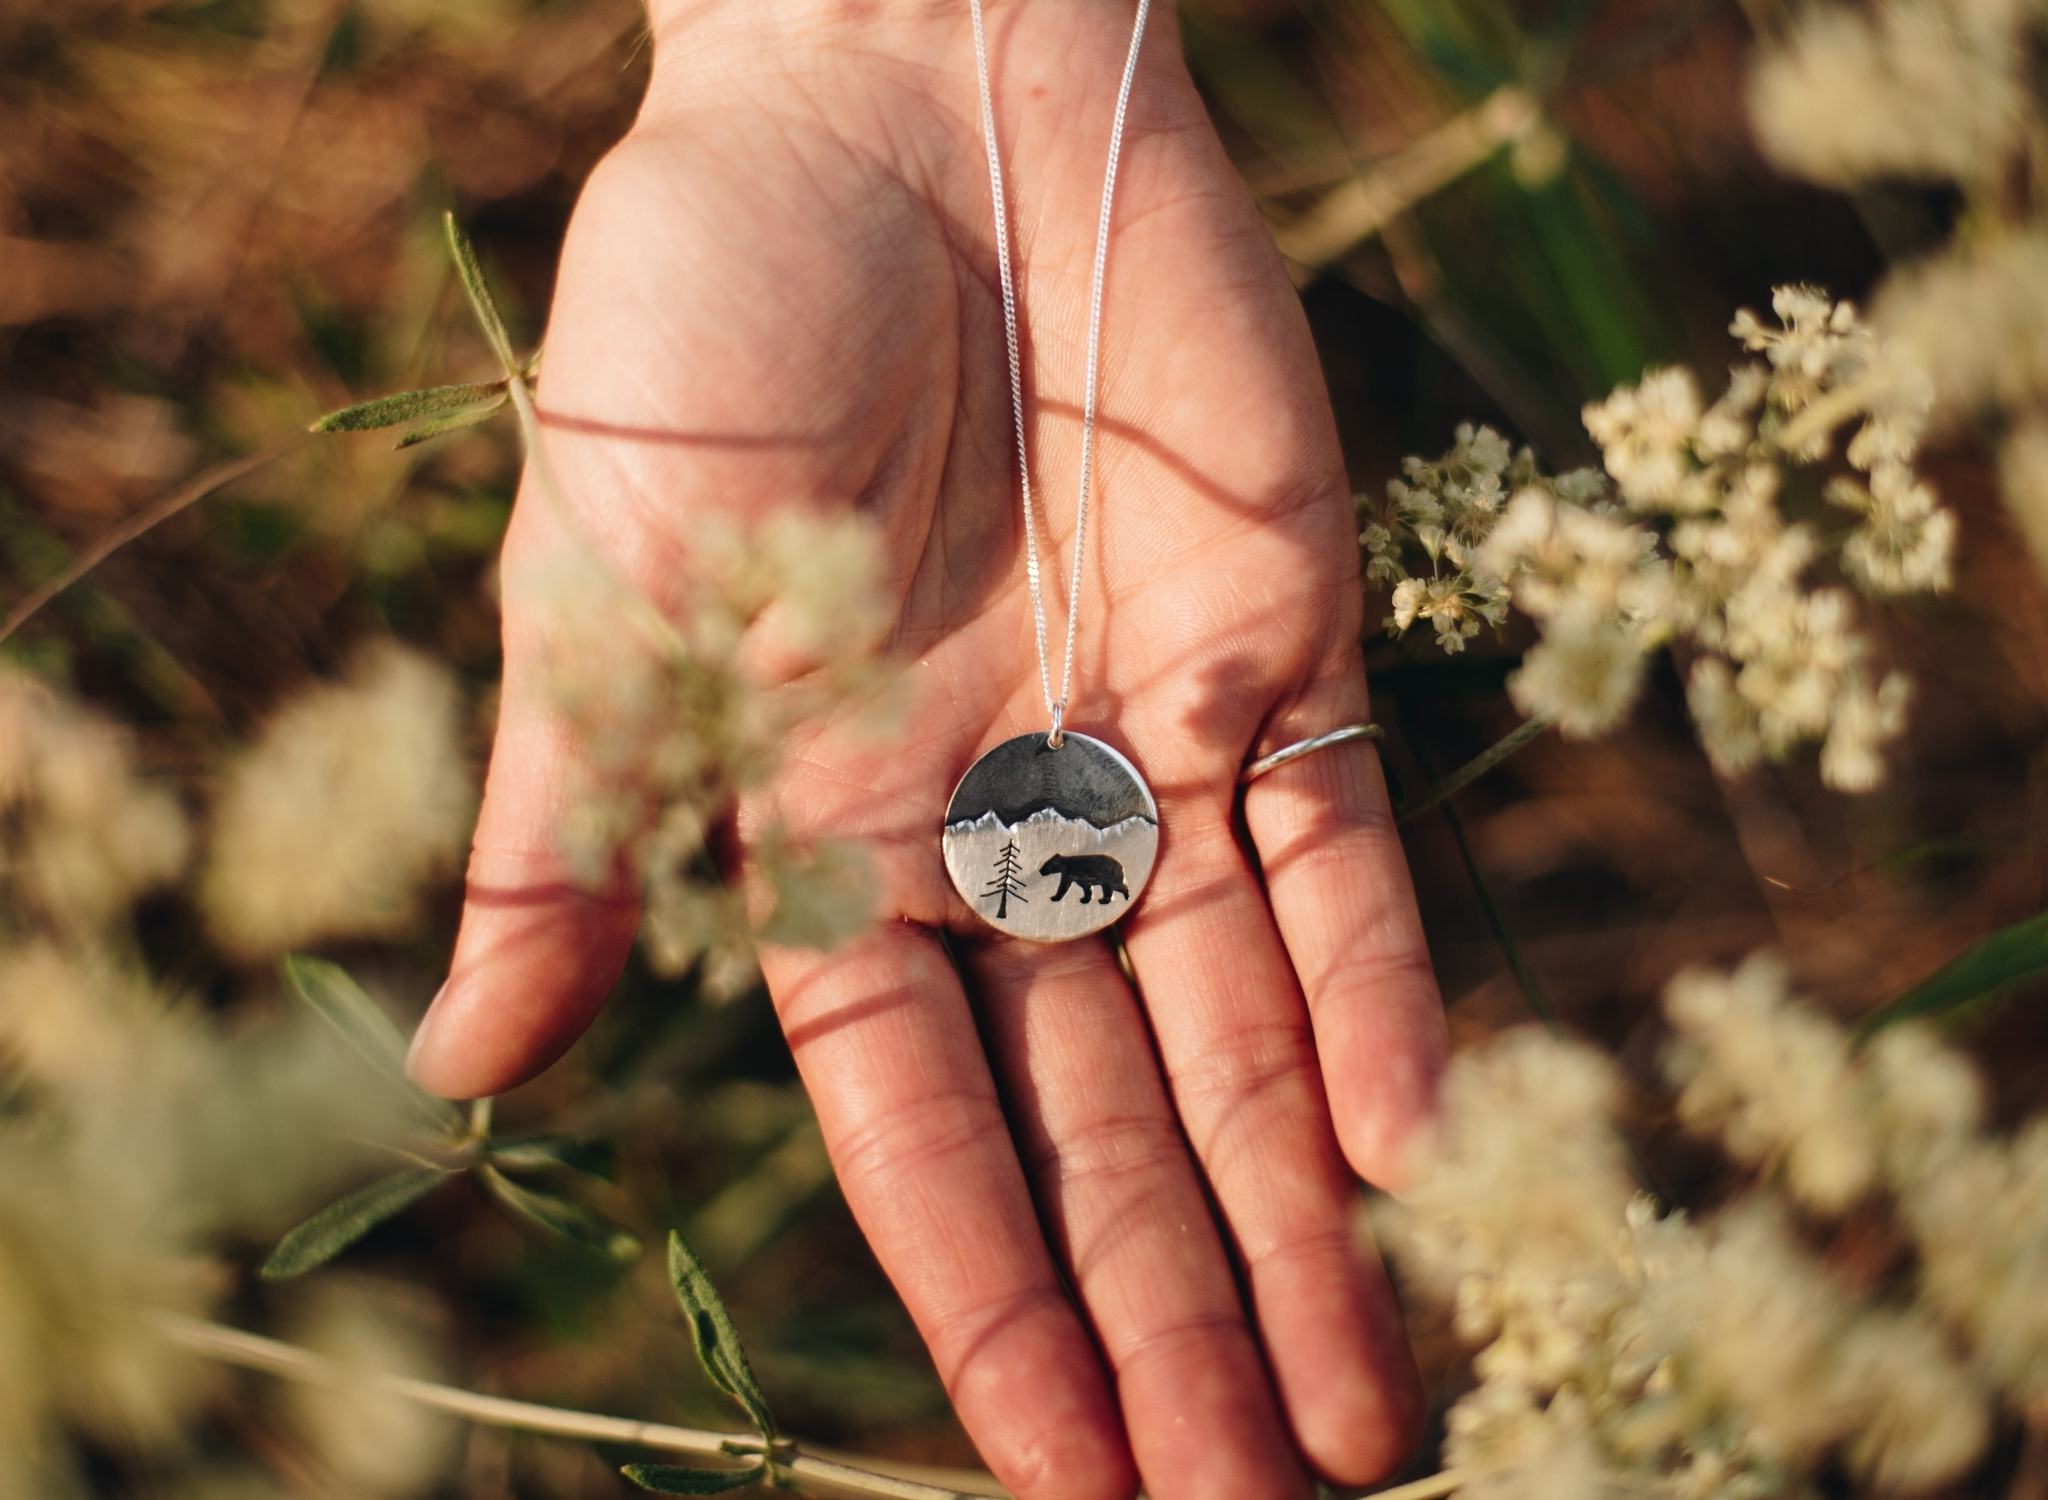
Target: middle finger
<point x="1234" y="1035"/>
<point x="1122" y="1202"/>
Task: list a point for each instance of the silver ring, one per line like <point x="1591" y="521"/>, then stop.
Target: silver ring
<point x="1299" y="748"/>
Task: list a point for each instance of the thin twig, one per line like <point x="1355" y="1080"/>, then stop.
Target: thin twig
<point x="1472" y="770"/>
<point x="251" y="1351"/>
<point x="1496" y="921"/>
<point x="107" y="544"/>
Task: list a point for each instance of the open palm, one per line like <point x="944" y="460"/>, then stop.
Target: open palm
<point x="1123" y="1221"/>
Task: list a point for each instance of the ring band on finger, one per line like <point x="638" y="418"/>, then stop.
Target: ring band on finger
<point x="1341" y="735"/>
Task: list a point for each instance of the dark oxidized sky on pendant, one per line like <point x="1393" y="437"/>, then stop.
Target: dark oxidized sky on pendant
<point x="1021" y="776"/>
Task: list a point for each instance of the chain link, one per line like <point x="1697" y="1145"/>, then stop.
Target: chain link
<point x="1055" y="704"/>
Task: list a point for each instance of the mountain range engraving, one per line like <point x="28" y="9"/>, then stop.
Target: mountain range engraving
<point x="1015" y="868"/>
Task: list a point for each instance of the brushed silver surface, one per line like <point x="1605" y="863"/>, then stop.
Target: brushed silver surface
<point x="1051" y="844"/>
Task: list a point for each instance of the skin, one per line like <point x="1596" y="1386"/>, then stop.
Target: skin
<point x="1124" y="1221"/>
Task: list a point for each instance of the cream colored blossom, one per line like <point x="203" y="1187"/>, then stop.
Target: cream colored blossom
<point x="1728" y="725"/>
<point x="355" y="796"/>
<point x="1912" y="89"/>
<point x="1623" y="1350"/>
<point x="1646" y="432"/>
<point x="83" y="1267"/>
<point x="373" y="1444"/>
<point x="82" y="835"/>
<point x="1979" y="1218"/>
<point x="1583" y="674"/>
<point x="142" y="1135"/>
<point x="1703" y="554"/>
<point x="1975" y="318"/>
<point x="1772" y="1079"/>
<point x="1765" y="1332"/>
<point x="1863" y="722"/>
<point x="1905" y="542"/>
<point x="781" y="636"/>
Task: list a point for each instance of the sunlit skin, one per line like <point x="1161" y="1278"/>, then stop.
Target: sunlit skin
<point x="1126" y="1224"/>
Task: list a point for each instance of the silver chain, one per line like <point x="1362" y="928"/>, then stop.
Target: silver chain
<point x="1056" y="706"/>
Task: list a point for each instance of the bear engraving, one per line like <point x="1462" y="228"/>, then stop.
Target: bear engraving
<point x="1091" y="872"/>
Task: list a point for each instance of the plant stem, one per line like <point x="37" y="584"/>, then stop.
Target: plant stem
<point x="1358" y="209"/>
<point x="252" y="1351"/>
<point x="1826" y="414"/>
<point x="187" y="494"/>
<point x="1524" y="976"/>
<point x="1472" y="770"/>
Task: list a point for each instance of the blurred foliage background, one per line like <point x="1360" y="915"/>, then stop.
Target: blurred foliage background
<point x="219" y="218"/>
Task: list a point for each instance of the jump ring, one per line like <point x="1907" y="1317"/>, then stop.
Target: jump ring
<point x="1299" y="748"/>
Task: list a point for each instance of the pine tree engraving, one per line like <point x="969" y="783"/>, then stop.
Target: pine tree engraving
<point x="1006" y="884"/>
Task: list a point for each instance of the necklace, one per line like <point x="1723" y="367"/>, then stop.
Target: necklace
<point x="1042" y="816"/>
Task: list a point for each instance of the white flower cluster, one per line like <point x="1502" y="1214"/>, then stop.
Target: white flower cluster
<point x="1948" y="92"/>
<point x="1444" y="510"/>
<point x="139" y="1134"/>
<point x="353" y="799"/>
<point x="81" y="833"/>
<point x="780" y="636"/>
<point x="1689" y="544"/>
<point x="1627" y="1350"/>
<point x="1926" y="90"/>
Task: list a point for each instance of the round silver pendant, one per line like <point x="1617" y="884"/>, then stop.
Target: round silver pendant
<point x="1051" y="844"/>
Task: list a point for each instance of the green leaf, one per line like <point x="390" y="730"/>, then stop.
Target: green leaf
<point x="411" y="406"/>
<point x="711" y="1329"/>
<point x="343" y="1222"/>
<point x="1985" y="968"/>
<point x="455" y="422"/>
<point x="544" y="1153"/>
<point x="480" y="299"/>
<point x="348" y="1008"/>
<point x="559" y="1215"/>
<point x="679" y="1479"/>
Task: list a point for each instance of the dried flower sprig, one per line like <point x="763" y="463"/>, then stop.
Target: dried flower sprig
<point x="1626" y="1348"/>
<point x="1682" y="541"/>
<point x="679" y="727"/>
<point x="1948" y="92"/>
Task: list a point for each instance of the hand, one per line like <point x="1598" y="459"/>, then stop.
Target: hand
<point x="788" y="266"/>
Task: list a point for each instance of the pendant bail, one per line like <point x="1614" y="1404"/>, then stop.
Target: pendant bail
<point x="1058" y="737"/>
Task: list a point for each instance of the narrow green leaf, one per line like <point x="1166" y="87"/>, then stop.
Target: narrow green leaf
<point x="543" y="1153"/>
<point x="712" y="1331"/>
<point x="679" y="1479"/>
<point x="348" y="1008"/>
<point x="1472" y="770"/>
<point x="480" y="299"/>
<point x="469" y="416"/>
<point x="346" y="1220"/>
<point x="561" y="1216"/>
<point x="1985" y="968"/>
<point x="411" y="406"/>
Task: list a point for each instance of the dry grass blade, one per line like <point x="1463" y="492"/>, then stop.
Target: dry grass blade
<point x="186" y="495"/>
